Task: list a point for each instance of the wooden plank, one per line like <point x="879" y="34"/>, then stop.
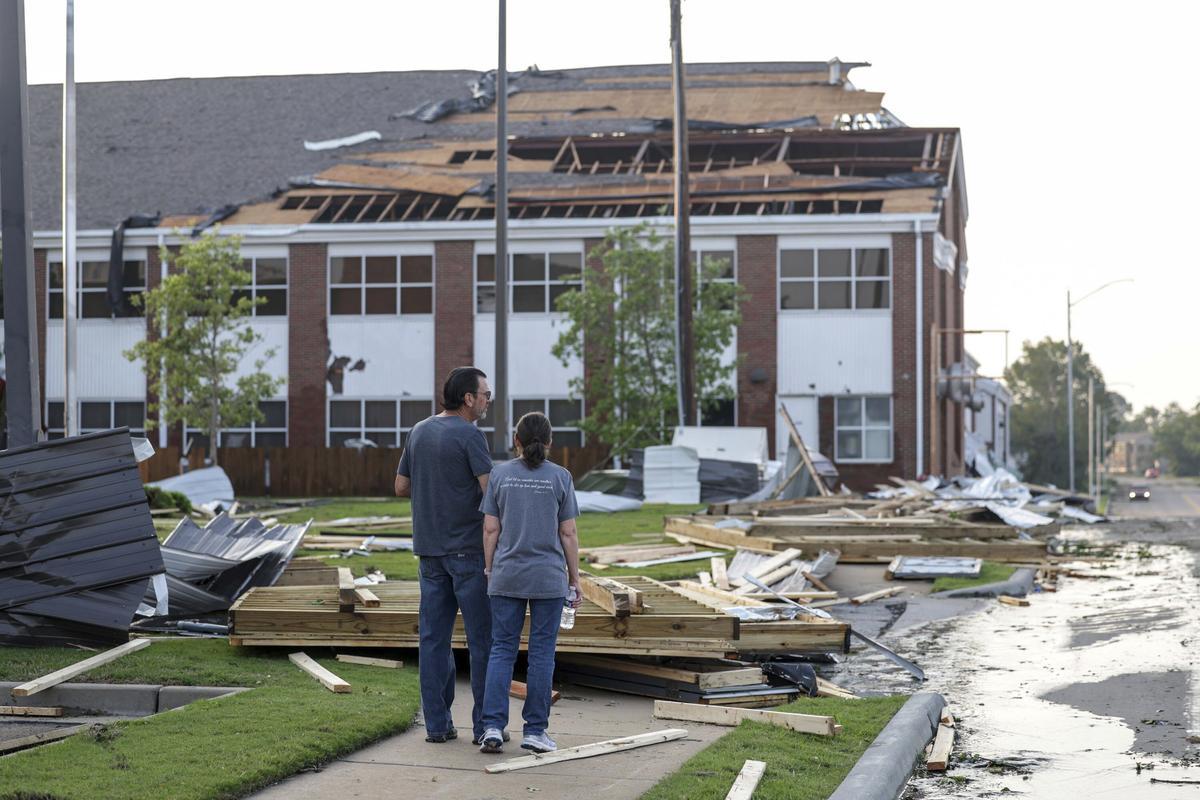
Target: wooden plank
<point x="1012" y="601"/>
<point x="614" y="597"/>
<point x="588" y="750"/>
<point x="346" y="595"/>
<point x="719" y="595"/>
<point x="720" y="574"/>
<point x="767" y="567"/>
<point x="815" y="581"/>
<point x="943" y="744"/>
<point x="66" y="673"/>
<point x="30" y="711"/>
<point x="330" y="681"/>
<point x="795" y="437"/>
<point x="878" y="595"/>
<point x="747" y="780"/>
<point x="733" y="716"/>
<point x="10" y="745"/>
<point x="742" y="676"/>
<point x="370" y="661"/>
<point x="366" y="597"/>
<point x="774" y="576"/>
<point x="520" y="691"/>
<point x="636" y="553"/>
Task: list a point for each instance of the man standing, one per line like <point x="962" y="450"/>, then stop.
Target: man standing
<point x="444" y="468"/>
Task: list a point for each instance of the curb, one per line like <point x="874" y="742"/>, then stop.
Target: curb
<point x="1019" y="585"/>
<point x="122" y="700"/>
<point x="887" y="764"/>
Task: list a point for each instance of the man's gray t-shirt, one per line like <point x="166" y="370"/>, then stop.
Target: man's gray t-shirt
<point x="530" y="503"/>
<point x="443" y="458"/>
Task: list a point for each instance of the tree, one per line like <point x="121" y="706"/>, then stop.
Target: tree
<point x="201" y="314"/>
<point x="1038" y="382"/>
<point x="622" y="320"/>
<point x="1177" y="439"/>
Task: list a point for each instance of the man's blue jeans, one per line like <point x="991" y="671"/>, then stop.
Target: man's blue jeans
<point x="508" y="618"/>
<point x="449" y="583"/>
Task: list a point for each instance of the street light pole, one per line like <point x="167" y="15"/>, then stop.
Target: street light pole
<point x="500" y="437"/>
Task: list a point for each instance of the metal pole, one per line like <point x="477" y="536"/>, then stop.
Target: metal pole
<point x="1070" y="401"/>
<point x="1091" y="435"/>
<point x="23" y="394"/>
<point x="500" y="378"/>
<point x="920" y="337"/>
<point x="684" y="304"/>
<point x="70" y="275"/>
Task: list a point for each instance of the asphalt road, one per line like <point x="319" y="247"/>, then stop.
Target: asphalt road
<point x="1169" y="497"/>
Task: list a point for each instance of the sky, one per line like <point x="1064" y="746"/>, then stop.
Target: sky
<point x="1076" y="118"/>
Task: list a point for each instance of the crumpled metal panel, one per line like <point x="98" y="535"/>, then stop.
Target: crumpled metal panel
<point x="77" y="542"/>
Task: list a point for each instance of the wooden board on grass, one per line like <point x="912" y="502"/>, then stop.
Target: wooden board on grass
<point x="78" y="668"/>
<point x="330" y="681"/>
<point x="747" y="780"/>
<point x="731" y="716"/>
<point x="370" y="661"/>
<point x="30" y="711"/>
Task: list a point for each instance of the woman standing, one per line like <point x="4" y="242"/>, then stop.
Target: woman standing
<point x="531" y="559"/>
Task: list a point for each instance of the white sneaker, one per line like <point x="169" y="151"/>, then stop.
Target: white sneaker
<point x="538" y="743"/>
<point x="492" y="741"/>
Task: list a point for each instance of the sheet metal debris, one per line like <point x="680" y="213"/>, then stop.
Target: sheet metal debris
<point x="208" y="488"/>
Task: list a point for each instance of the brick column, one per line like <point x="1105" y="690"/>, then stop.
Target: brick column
<point x="453" y="311"/>
<point x="308" y="344"/>
<point x="757" y="334"/>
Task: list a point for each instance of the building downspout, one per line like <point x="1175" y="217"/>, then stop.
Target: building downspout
<point x="920" y="333"/>
<point x="163" y="269"/>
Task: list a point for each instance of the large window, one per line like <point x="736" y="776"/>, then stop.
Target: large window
<point x="564" y="416"/>
<point x="98" y="415"/>
<point x="381" y="285"/>
<point x="386" y="423"/>
<point x="721" y="261"/>
<point x="271" y="432"/>
<point x="719" y="413"/>
<point x="268" y="281"/>
<point x="863" y="429"/>
<point x="842" y="278"/>
<point x="537" y="281"/>
<point x="92" y="289"/>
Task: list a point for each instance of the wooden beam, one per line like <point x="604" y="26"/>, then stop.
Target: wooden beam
<point x="614" y="597"/>
<point x="31" y="711"/>
<point x="370" y="661"/>
<point x="588" y="750"/>
<point x="720" y="574"/>
<point x="766" y="567"/>
<point x="9" y="745"/>
<point x="747" y="780"/>
<point x="1012" y="601"/>
<point x="774" y="576"/>
<point x="815" y="581"/>
<point x="719" y="595"/>
<point x="939" y="756"/>
<point x="346" y="594"/>
<point x="795" y="436"/>
<point x="521" y="691"/>
<point x="733" y="716"/>
<point x="879" y="595"/>
<point x="330" y="681"/>
<point x="66" y="673"/>
<point x="366" y="597"/>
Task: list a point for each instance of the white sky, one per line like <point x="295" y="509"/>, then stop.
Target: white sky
<point x="1065" y="109"/>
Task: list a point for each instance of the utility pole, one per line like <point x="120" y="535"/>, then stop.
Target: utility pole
<point x="70" y="273"/>
<point x="500" y="378"/>
<point x="684" y="303"/>
<point x="1091" y="435"/>
<point x="23" y="395"/>
<point x="1070" y="401"/>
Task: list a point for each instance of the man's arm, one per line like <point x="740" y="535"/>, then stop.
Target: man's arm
<point x="483" y="480"/>
<point x="491" y="536"/>
<point x="404" y="486"/>
<point x="570" y="544"/>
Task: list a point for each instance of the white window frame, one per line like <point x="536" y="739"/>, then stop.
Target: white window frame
<point x="816" y="280"/>
<point x="111" y="402"/>
<point x="254" y="287"/>
<point x="399" y="429"/>
<point x="701" y="249"/>
<point x="545" y="409"/>
<point x="862" y="429"/>
<point x="54" y="259"/>
<point x="545" y="251"/>
<point x="254" y="428"/>
<point x="364" y="252"/>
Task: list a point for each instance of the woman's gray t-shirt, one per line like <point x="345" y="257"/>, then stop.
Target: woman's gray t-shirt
<point x="530" y="503"/>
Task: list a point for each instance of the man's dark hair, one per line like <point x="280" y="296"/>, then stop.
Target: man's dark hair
<point x="459" y="383"/>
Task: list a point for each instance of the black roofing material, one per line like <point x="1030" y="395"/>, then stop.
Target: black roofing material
<point x="77" y="543"/>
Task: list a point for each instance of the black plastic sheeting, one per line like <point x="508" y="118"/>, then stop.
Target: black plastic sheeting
<point x="209" y="568"/>
<point x="117" y="301"/>
<point x="77" y="543"/>
<point x="720" y="481"/>
<point x="483" y="96"/>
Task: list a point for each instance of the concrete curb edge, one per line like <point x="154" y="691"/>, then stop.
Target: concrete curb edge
<point x="884" y="769"/>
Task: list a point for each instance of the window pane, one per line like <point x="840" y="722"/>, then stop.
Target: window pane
<point x="416" y="269"/>
<point x="94" y="305"/>
<point x="529" y="267"/>
<point x="276" y="305"/>
<point x="871" y="294"/>
<point x="849" y="444"/>
<point x="135" y="273"/>
<point x="568" y="439"/>
<point x="529" y="298"/>
<point x="130" y="415"/>
<point x="381" y="300"/>
<point x="54" y="415"/>
<point x="345" y="301"/>
<point x="416" y="300"/>
<point x="381" y="269"/>
<point x="879" y="445"/>
<point x="93" y="274"/>
<point x="271" y="271"/>
<point x="879" y="411"/>
<point x="381" y="413"/>
<point x="413" y="411"/>
<point x="345" y="269"/>
<point x="135" y="311"/>
<point x="274" y="414"/>
<point x="338" y="438"/>
<point x="557" y="290"/>
<point x="873" y="263"/>
<point x="235" y="438"/>
<point x="565" y="412"/>
<point x="382" y="438"/>
<point x="796" y="263"/>
<point x="833" y="294"/>
<point x="720" y="412"/>
<point x="849" y="411"/>
<point x="237" y="296"/>
<point x="345" y="414"/>
<point x="522" y="407"/>
<point x="722" y="259"/>
<point x="270" y="439"/>
<point x="94" y="415"/>
<point x="55" y="308"/>
<point x="198" y="440"/>
<point x="485" y="267"/>
<point x="833" y="263"/>
<point x="485" y="299"/>
<point x="795" y="294"/>
<point x="56" y="276"/>
<point x="565" y="265"/>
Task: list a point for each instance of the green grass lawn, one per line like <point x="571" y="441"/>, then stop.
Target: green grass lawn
<point x="990" y="573"/>
<point x="223" y="748"/>
<point x="799" y="766"/>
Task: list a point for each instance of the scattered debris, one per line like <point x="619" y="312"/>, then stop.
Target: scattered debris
<point x="345" y="141"/>
<point x="939" y="755"/>
<point x="917" y="568"/>
<point x="747" y="780"/>
<point x="66" y="673"/>
<point x="370" y="661"/>
<point x="520" y="691"/>
<point x="588" y="750"/>
<point x="732" y="716"/>
<point x="330" y="681"/>
<point x="208" y="488"/>
<point x="1012" y="601"/>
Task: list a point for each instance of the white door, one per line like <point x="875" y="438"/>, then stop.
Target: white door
<point x="803" y="409"/>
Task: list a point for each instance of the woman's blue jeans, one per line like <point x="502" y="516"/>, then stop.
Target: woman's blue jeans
<point x="508" y="618"/>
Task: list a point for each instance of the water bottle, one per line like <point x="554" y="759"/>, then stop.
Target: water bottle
<point x="567" y="620"/>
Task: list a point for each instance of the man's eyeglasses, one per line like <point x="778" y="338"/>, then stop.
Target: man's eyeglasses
<point x="488" y="395"/>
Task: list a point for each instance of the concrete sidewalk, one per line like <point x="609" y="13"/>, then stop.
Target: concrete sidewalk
<point x="407" y="766"/>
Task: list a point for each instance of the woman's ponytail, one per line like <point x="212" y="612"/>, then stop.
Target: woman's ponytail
<point x="534" y="433"/>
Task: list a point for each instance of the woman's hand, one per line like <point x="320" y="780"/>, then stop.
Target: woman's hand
<point x="574" y="596"/>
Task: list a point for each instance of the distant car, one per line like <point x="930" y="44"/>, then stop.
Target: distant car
<point x="1151" y="473"/>
<point x="1139" y="493"/>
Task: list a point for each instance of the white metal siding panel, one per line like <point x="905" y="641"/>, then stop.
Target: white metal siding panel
<point x="835" y="352"/>
<point x="398" y="355"/>
<point x="101" y="370"/>
<point x="533" y="371"/>
<point x="274" y="332"/>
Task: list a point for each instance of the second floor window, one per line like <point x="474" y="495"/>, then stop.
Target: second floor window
<point x="381" y="285"/>
<point x="268" y="281"/>
<point x="537" y="280"/>
<point x="833" y="279"/>
<point x="92" y="289"/>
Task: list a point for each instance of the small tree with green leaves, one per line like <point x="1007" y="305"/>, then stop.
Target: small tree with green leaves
<point x="201" y="314"/>
<point x="622" y="321"/>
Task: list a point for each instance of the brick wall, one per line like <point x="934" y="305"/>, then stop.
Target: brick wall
<point x="757" y="334"/>
<point x="454" y="310"/>
<point x="308" y="344"/>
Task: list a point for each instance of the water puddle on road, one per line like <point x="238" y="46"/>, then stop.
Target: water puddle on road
<point x="1089" y="691"/>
